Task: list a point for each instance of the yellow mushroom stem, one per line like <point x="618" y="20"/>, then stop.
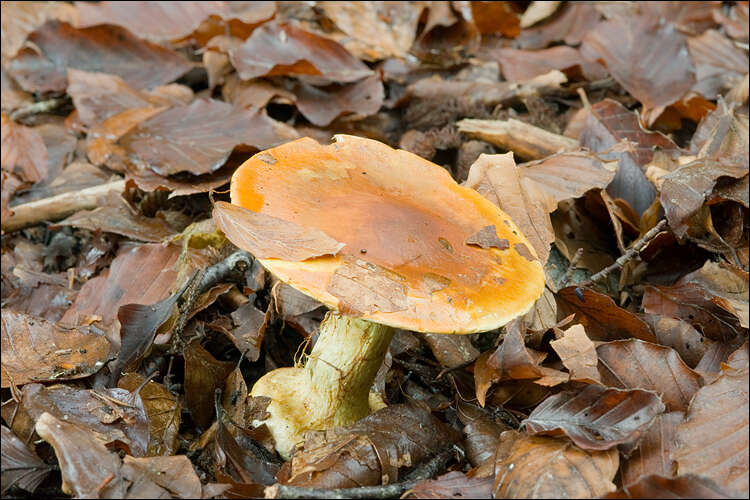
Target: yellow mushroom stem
<point x="333" y="388"/>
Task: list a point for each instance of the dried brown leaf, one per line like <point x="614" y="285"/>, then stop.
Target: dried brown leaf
<point x="570" y="23"/>
<point x="251" y="326"/>
<point x="284" y="49"/>
<point x="38" y="350"/>
<point x="713" y="439"/>
<point x="23" y="151"/>
<point x="482" y="433"/>
<point x="167" y="21"/>
<point x="59" y="47"/>
<point x="21" y="18"/>
<point x="719" y="63"/>
<point x="203" y="375"/>
<point x="569" y="472"/>
<point x="654" y="77"/>
<point x="21" y="467"/>
<point x="656" y="486"/>
<point x="654" y="453"/>
<point x="609" y="122"/>
<point x="570" y="175"/>
<point x="268" y="237"/>
<point x="518" y="65"/>
<point x="680" y="336"/>
<point x="371" y="451"/>
<point x="322" y="106"/>
<point x="632" y="364"/>
<point x="596" y="418"/>
<point x="112" y="416"/>
<point x="600" y="316"/>
<point x="198" y="138"/>
<point x="163" y="411"/>
<point x="452" y="485"/>
<point x="578" y="353"/>
<point x="174" y="474"/>
<point x="497" y="178"/>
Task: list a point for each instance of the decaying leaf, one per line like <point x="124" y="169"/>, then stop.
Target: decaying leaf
<point x="203" y="375"/>
<point x="654" y="453"/>
<point x="21" y="467"/>
<point x="656" y="486"/>
<point x="36" y="350"/>
<point x="596" y="418"/>
<point x="569" y="472"/>
<point x="23" y="151"/>
<point x="452" y="485"/>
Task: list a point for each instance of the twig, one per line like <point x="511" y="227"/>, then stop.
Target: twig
<point x="58" y="207"/>
<point x="627" y="256"/>
<point x="38" y="108"/>
<point x="572" y="266"/>
<point x="426" y="470"/>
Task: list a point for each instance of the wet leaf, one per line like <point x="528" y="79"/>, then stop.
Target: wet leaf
<point x="578" y="353"/>
<point x="569" y="472"/>
<point x="61" y="47"/>
<point x="713" y="439"/>
<point x="635" y="364"/>
<point x="371" y="451"/>
<point x="596" y="418"/>
<point x="284" y="49"/>
<point x="21" y="467"/>
<point x="482" y="433"/>
<point x="38" y="350"/>
<point x="600" y="316"/>
<point x="654" y="453"/>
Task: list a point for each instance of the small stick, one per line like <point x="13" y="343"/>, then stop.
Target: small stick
<point x="58" y="207"/>
<point x="38" y="108"/>
<point x="627" y="256"/>
<point x="424" y="471"/>
<point x="572" y="266"/>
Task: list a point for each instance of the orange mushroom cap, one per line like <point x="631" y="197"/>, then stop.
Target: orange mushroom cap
<point x="391" y="238"/>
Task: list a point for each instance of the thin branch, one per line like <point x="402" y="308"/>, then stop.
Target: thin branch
<point x="572" y="267"/>
<point x="432" y="467"/>
<point x="40" y="107"/>
<point x="627" y="256"/>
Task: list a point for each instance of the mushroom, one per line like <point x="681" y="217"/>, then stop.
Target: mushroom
<point x="383" y="238"/>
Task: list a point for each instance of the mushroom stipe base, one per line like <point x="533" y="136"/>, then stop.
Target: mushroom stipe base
<point x="333" y="388"/>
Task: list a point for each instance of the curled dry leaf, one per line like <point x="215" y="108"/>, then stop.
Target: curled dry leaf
<point x="284" y="49"/>
<point x="268" y="237"/>
<point x="322" y="106"/>
<point x="600" y="316"/>
<point x="163" y="411"/>
<point x="60" y="47"/>
<point x="198" y="138"/>
<point x="631" y="364"/>
<point x="570" y="24"/>
<point x="609" y="122"/>
<point x="719" y="63"/>
<point x="35" y="349"/>
<point x="657" y="486"/>
<point x="723" y="135"/>
<point x="21" y="467"/>
<point x="680" y="336"/>
<point x="112" y="416"/>
<point x="251" y="326"/>
<point x="654" y="453"/>
<point x="498" y="179"/>
<point x="578" y="353"/>
<point x="570" y="175"/>
<point x="482" y="433"/>
<point x="596" y="418"/>
<point x="21" y="18"/>
<point x="371" y="451"/>
<point x="713" y="439"/>
<point x="654" y="77"/>
<point x="167" y="21"/>
<point x="569" y="472"/>
<point x="24" y="153"/>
